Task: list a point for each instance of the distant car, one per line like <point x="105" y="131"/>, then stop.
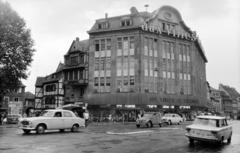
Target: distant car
<point x="209" y="128"/>
<point x="13" y="118"/>
<point x="149" y="119"/>
<point x="52" y="120"/>
<point x="172" y="118"/>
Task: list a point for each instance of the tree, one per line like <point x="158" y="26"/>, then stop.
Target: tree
<point x="16" y="49"/>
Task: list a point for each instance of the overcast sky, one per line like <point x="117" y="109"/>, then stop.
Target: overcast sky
<point x="56" y="23"/>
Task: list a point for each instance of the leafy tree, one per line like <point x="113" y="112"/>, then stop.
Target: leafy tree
<point x="16" y="49"/>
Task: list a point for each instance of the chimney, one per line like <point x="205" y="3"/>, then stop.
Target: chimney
<point x="77" y="39"/>
<point x="106" y="15"/>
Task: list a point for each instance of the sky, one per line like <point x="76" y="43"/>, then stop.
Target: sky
<point x="55" y="24"/>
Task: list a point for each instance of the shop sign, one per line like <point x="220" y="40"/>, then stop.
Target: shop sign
<point x="173" y="31"/>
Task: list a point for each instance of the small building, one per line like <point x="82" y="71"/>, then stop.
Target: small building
<point x="230" y="98"/>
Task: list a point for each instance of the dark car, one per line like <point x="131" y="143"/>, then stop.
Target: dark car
<point x="13" y="118"/>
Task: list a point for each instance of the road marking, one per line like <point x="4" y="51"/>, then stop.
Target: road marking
<point x="127" y="133"/>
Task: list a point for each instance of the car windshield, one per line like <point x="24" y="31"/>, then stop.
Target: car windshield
<point x="205" y="121"/>
<point x="47" y="114"/>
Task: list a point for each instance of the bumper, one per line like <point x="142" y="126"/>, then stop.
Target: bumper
<point x="207" y="139"/>
<point x="26" y="127"/>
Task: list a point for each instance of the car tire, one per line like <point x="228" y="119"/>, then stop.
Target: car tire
<point x="75" y="128"/>
<point x="160" y="124"/>
<point x="26" y="131"/>
<point x="61" y="130"/>
<point x="191" y="141"/>
<point x="40" y="129"/>
<point x="221" y="141"/>
<point x="169" y="122"/>
<point x="138" y="126"/>
<point x="151" y="124"/>
<point x="229" y="139"/>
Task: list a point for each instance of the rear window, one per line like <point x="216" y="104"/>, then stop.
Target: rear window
<point x="206" y="122"/>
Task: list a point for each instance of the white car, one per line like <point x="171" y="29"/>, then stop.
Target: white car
<point x="149" y="119"/>
<point x="209" y="128"/>
<point x="172" y="118"/>
<point x="52" y="120"/>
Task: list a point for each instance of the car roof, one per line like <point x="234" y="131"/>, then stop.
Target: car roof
<point x="57" y="110"/>
<point x="211" y="117"/>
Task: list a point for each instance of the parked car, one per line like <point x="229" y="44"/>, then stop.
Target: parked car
<point x="13" y="118"/>
<point x="149" y="119"/>
<point x="209" y="128"/>
<point x="172" y="118"/>
<point x="52" y="120"/>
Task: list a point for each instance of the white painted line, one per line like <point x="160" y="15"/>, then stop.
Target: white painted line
<point x="127" y="133"/>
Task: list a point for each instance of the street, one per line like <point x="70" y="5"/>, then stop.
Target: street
<point x="112" y="138"/>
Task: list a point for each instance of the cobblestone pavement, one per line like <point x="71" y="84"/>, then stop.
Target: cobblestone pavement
<point x="112" y="138"/>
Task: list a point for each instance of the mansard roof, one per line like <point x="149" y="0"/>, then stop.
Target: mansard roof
<point x="165" y="13"/>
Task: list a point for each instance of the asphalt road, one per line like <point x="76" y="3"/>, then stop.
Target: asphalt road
<point x="112" y="138"/>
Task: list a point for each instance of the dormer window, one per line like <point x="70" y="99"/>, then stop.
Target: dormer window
<point x="126" y="22"/>
<point x="103" y="25"/>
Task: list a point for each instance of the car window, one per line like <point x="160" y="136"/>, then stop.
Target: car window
<point x="225" y="122"/>
<point x="58" y="114"/>
<point x="207" y="122"/>
<point x="47" y="113"/>
<point x="67" y="114"/>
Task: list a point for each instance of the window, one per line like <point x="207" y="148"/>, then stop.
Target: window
<point x="108" y="44"/>
<point x="102" y="81"/>
<point x="74" y="60"/>
<point x="96" y="81"/>
<point x="97" y="45"/>
<point x="164" y="74"/>
<point x="126" y="22"/>
<point x="108" y="79"/>
<point x="132" y="80"/>
<point x="58" y="114"/>
<point x="180" y="76"/>
<point x="102" y="44"/>
<point x="103" y="25"/>
<point x="164" y="26"/>
<point x="67" y="114"/>
<point x="50" y="88"/>
<point x="15" y="99"/>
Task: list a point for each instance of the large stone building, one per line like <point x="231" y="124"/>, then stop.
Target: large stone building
<point x="141" y="60"/>
<point x="146" y="60"/>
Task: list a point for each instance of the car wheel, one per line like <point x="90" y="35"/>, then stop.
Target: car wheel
<point x="40" y="129"/>
<point x="221" y="141"/>
<point x="191" y="141"/>
<point x="26" y="131"/>
<point x="138" y="126"/>
<point x="61" y="130"/>
<point x="75" y="128"/>
<point x="229" y="139"/>
<point x="169" y="122"/>
<point x="160" y="124"/>
<point x="150" y="123"/>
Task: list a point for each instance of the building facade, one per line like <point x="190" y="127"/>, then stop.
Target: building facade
<point x="230" y="100"/>
<point x="146" y="60"/>
<point x="68" y="84"/>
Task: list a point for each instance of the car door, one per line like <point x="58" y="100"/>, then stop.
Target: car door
<point x="68" y="119"/>
<point x="56" y="122"/>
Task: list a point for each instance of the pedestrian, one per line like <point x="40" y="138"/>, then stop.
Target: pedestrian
<point x="86" y="117"/>
<point x="4" y="122"/>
